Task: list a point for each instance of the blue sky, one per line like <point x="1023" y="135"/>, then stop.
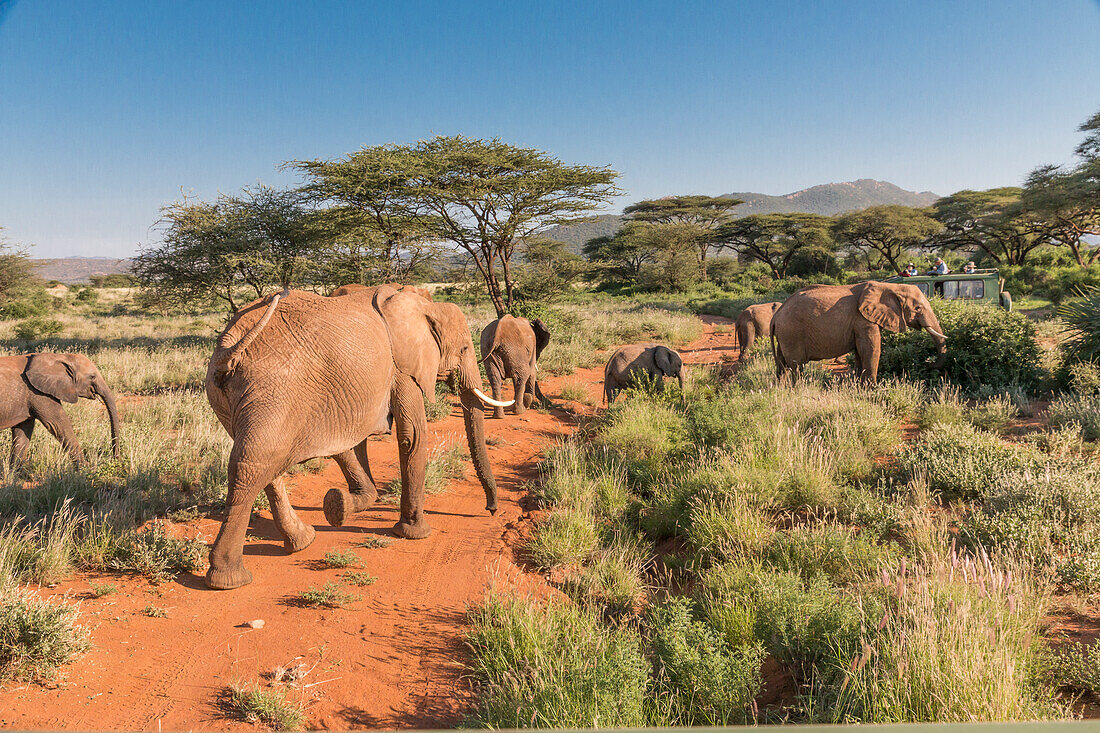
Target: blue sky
<point x="108" y="110"/>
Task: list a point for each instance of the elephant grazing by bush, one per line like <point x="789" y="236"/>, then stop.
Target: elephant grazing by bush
<point x="33" y="386"/>
<point x="302" y="376"/>
<point x="827" y="321"/>
<point x="753" y="323"/>
<point x="510" y="349"/>
<point x="626" y="364"/>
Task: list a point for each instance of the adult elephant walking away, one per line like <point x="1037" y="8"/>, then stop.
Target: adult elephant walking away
<point x="510" y="349"/>
<point x="303" y="376"/>
<point x="629" y="362"/>
<point x="827" y="321"/>
<point x="32" y="388"/>
<point x="753" y="323"/>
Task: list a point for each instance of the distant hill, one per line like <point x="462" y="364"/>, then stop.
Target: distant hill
<point x="80" y="269"/>
<point x="827" y="199"/>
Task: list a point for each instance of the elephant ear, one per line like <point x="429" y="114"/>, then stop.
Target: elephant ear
<point x="412" y="336"/>
<point x="880" y="305"/>
<point x="50" y="374"/>
<point x="667" y="360"/>
<point x="542" y="336"/>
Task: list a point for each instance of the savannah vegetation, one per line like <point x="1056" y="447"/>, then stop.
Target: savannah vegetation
<point x="715" y="546"/>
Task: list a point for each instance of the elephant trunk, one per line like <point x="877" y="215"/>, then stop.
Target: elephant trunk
<point x="932" y="325"/>
<point x="108" y="398"/>
<point x="469" y="380"/>
<point x="680" y="377"/>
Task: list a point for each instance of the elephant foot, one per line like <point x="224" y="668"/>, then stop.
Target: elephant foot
<point x="300" y="539"/>
<point x="228" y="578"/>
<point x="417" y="531"/>
<point x="498" y="413"/>
<point x="528" y="400"/>
<point x="338" y="505"/>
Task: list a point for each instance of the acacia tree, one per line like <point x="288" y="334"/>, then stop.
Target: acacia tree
<point x="890" y="231"/>
<point x="623" y="254"/>
<point x="994" y="221"/>
<point x="15" y="267"/>
<point x="485" y="196"/>
<point x="378" y="233"/>
<point x="775" y="239"/>
<point x="705" y="213"/>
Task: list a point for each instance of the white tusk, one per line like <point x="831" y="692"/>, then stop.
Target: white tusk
<point x="934" y="332"/>
<point x="490" y="401"/>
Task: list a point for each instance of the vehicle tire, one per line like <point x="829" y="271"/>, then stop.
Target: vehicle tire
<point x="1006" y="300"/>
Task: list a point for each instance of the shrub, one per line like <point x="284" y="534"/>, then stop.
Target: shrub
<point x="700" y="678"/>
<point x="840" y="553"/>
<point x="563" y="538"/>
<point x="553" y="665"/>
<point x="1075" y="668"/>
<point x="270" y="708"/>
<point x="1081" y="411"/>
<point x="36" y="636"/>
<point x="1082" y="329"/>
<point x="727" y="529"/>
<point x="341" y="559"/>
<point x="987" y="349"/>
<point x="959" y="461"/>
<point x="612" y="581"/>
<point x="33" y="329"/>
<point x="331" y="595"/>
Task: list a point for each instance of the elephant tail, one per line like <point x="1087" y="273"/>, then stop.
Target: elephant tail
<point x="230" y="357"/>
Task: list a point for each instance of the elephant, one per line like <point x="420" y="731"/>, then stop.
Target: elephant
<point x="627" y="362"/>
<point x="319" y="380"/>
<point x="357" y="288"/>
<point x="827" y="321"/>
<point x="33" y="386"/>
<point x="754" y="322"/>
<point x="510" y="348"/>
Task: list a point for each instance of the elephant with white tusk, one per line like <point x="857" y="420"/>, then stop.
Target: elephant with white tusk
<point x="303" y="376"/>
<point x="827" y="321"/>
<point x="32" y="388"/>
<point x="627" y="363"/>
<point x="510" y="348"/>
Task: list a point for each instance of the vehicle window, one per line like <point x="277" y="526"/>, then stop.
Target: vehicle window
<point x="951" y="289"/>
<point x="972" y="289"/>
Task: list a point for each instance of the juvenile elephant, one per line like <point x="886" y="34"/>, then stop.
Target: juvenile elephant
<point x="625" y="364"/>
<point x="318" y="380"/>
<point x="827" y="321"/>
<point x="357" y="288"/>
<point x="753" y="323"/>
<point x="510" y="349"/>
<point x="33" y="386"/>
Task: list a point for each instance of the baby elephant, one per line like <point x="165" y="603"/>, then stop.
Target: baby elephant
<point x="510" y="348"/>
<point x="626" y="363"/>
<point x="33" y="386"/>
<point x="753" y="323"/>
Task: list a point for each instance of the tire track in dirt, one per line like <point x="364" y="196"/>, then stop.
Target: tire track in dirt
<point x="391" y="660"/>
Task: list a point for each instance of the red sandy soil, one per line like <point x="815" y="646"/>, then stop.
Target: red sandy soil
<point x="393" y="659"/>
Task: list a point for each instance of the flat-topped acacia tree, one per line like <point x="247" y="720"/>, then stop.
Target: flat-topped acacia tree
<point x="484" y="196"/>
<point x="705" y="213"/>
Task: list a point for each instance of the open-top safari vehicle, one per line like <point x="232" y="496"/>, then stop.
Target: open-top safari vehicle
<point x="980" y="286"/>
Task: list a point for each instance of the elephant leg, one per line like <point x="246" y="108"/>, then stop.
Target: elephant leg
<point x="246" y="478"/>
<point x="61" y="427"/>
<point x="858" y="362"/>
<point x="340" y="505"/>
<point x="868" y="350"/>
<point x="410" y="426"/>
<point x="748" y="339"/>
<point x="20" y="439"/>
<point x="493" y="370"/>
<point x="297" y="535"/>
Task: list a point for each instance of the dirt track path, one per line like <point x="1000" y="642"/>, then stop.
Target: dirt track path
<point x="390" y="660"/>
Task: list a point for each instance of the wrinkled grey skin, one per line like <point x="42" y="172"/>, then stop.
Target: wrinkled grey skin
<point x="753" y="323"/>
<point x="510" y="349"/>
<point x="656" y="360"/>
<point x="828" y="321"/>
<point x="301" y="376"/>
<point x="32" y="388"/>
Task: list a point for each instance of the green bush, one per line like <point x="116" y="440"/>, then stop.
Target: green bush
<point x="25" y="303"/>
<point x="33" y="329"/>
<point x="36" y="636"/>
<point x="989" y="350"/>
<point x="554" y="665"/>
<point x="1080" y="411"/>
<point x="700" y="678"/>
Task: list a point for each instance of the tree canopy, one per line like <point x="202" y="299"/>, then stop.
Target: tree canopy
<point x="888" y="231"/>
<point x="703" y="214"/>
<point x="993" y="221"/>
<point x="775" y="239"/>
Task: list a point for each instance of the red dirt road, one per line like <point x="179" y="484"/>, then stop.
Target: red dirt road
<point x="390" y="660"/>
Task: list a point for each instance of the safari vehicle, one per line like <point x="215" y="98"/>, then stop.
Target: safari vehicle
<point x="981" y="286"/>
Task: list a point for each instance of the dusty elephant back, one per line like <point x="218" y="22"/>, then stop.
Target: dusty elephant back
<point x="310" y="374"/>
<point x="514" y="339"/>
<point x="816" y="323"/>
